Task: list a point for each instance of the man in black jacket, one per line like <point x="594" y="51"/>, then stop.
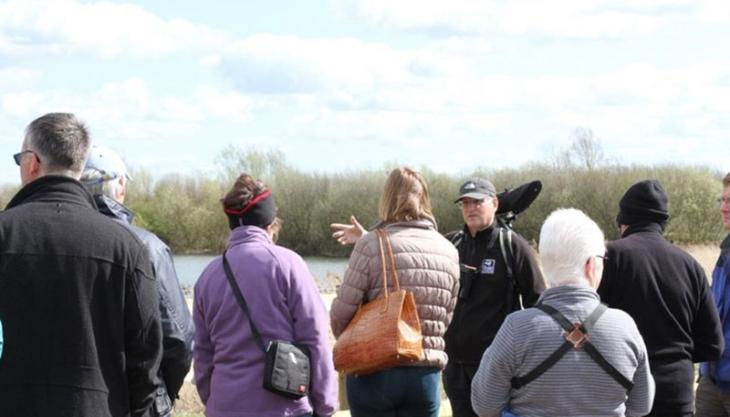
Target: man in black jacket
<point x="77" y="293"/>
<point x="106" y="176"/>
<point x="666" y="292"/>
<point x="487" y="291"/>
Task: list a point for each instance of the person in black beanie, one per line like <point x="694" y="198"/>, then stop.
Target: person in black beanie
<point x="666" y="292"/>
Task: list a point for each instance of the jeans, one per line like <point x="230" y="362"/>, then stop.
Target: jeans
<point x="395" y="392"/>
<point x="457" y="384"/>
<point x="711" y="401"/>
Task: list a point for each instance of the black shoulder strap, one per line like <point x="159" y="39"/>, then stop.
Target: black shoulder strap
<point x="514" y="291"/>
<point x="242" y="302"/>
<point x="505" y="245"/>
<point x="575" y="337"/>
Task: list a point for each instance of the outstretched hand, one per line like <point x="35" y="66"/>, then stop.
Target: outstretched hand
<point x="348" y="234"/>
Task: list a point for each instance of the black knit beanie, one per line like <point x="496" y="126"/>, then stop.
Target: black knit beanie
<point x="644" y="202"/>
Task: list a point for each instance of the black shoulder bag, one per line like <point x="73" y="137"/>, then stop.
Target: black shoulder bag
<point x="286" y="370"/>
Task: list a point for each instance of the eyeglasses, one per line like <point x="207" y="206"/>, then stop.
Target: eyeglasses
<point x="467" y="203"/>
<point x="18" y="156"/>
<point x="723" y="201"/>
<point x="604" y="257"/>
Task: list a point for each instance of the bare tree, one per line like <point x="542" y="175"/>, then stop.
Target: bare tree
<point x="586" y="148"/>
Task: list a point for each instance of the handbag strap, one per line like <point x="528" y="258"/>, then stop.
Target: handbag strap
<point x="242" y="302"/>
<point x="383" y="236"/>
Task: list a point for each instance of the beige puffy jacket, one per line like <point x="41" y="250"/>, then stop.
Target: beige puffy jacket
<point x="427" y="265"/>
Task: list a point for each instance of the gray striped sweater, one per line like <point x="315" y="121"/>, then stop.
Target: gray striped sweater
<point x="576" y="385"/>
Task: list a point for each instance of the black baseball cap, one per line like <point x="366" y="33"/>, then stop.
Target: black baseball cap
<point x="476" y="188"/>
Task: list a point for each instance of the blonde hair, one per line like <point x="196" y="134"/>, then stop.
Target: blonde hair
<point x="405" y="197"/>
<point x="726" y="180"/>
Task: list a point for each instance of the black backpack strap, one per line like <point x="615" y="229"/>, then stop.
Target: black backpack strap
<point x="514" y="292"/>
<point x="505" y="245"/>
<point x="576" y="336"/>
<point x="242" y="302"/>
<point x="607" y="367"/>
<point x="519" y="382"/>
<point x="550" y="361"/>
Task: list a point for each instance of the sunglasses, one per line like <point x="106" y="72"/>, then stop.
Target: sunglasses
<point x="18" y="156"/>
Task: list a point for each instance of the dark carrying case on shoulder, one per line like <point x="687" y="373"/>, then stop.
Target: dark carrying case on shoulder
<point x="286" y="371"/>
<point x="286" y="366"/>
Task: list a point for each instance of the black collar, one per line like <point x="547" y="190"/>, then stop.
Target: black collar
<point x="643" y="228"/>
<point x="53" y="188"/>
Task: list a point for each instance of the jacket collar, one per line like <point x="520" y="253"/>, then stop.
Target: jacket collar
<point x="643" y="228"/>
<point x="725" y="245"/>
<point x="485" y="234"/>
<point x="53" y="188"/>
<point x="114" y="209"/>
<point x="248" y="234"/>
<point x="568" y="294"/>
<point x="421" y="224"/>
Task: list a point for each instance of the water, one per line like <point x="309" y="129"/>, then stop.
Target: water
<point x="189" y="268"/>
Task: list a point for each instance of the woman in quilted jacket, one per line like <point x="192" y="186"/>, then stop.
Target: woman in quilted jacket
<point x="427" y="266"/>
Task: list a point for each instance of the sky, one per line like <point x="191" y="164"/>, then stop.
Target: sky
<point x="339" y="85"/>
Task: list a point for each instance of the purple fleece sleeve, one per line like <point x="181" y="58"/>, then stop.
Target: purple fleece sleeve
<point x="202" y="348"/>
<point x="311" y="329"/>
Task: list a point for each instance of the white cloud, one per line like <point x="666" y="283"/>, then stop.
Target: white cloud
<point x="108" y="30"/>
<point x="267" y="63"/>
<point x="21" y="103"/>
<point x="568" y="18"/>
<point x="12" y="76"/>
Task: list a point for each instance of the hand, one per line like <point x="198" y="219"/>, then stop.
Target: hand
<point x="348" y="234"/>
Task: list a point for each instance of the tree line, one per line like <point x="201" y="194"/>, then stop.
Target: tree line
<point x="185" y="210"/>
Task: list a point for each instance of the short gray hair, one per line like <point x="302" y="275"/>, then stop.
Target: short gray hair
<point x="95" y="183"/>
<point x="568" y="238"/>
<point x="60" y="140"/>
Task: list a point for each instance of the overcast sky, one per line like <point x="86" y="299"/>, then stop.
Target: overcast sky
<point x="348" y="84"/>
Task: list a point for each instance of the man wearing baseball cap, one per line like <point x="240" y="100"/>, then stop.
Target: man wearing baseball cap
<point x="105" y="176"/>
<point x="498" y="267"/>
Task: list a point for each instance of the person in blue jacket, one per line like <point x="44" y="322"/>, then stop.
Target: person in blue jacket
<point x="713" y="391"/>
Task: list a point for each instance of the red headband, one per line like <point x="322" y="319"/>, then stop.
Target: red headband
<point x="264" y="194"/>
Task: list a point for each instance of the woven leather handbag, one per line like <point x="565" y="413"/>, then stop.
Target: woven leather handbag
<point x="385" y="332"/>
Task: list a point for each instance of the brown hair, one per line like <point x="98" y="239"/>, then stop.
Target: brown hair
<point x="726" y="180"/>
<point x="245" y="189"/>
<point x="405" y="197"/>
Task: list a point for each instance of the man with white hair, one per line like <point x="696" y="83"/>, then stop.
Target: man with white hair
<point x="568" y="355"/>
<point x="105" y="177"/>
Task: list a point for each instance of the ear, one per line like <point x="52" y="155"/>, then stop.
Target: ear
<point x="593" y="271"/>
<point x="122" y="190"/>
<point x="35" y="168"/>
<point x="496" y="203"/>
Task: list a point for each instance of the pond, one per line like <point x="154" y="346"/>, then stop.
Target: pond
<point x="323" y="269"/>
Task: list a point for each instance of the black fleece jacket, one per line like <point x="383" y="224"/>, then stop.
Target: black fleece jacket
<point x="79" y="308"/>
<point x="666" y="292"/>
<point x="478" y="316"/>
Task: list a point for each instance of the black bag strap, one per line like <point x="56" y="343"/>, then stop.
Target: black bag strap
<point x="607" y="367"/>
<point x="242" y="302"/>
<point x="576" y="336"/>
<point x="505" y="245"/>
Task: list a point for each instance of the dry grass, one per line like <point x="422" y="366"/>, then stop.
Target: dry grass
<point x="706" y="255"/>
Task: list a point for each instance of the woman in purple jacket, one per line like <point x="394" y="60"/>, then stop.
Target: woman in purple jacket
<point x="285" y="304"/>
